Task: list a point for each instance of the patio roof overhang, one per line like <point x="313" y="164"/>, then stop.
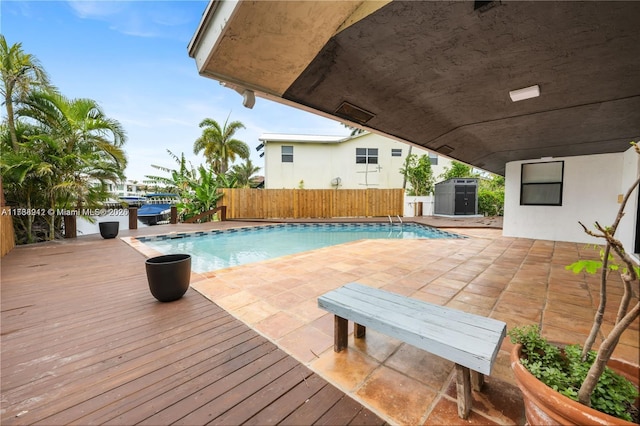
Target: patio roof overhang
<point x="438" y="74"/>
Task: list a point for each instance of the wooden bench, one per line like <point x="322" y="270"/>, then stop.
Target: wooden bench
<point x="471" y="341"/>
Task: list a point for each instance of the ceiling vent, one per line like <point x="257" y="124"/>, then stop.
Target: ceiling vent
<point x="353" y="113"/>
<point x="483" y="6"/>
<point x="445" y="150"/>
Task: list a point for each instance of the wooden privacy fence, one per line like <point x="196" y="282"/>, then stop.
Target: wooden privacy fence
<point x="7" y="235"/>
<point x="311" y="203"/>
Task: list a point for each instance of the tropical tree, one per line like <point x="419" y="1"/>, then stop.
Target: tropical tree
<point x="354" y="130"/>
<point x="243" y="173"/>
<point x="80" y="144"/>
<point x="26" y="174"/>
<point x="417" y="171"/>
<point x="198" y="188"/>
<point x="204" y="193"/>
<point x="178" y="179"/>
<point x="218" y="144"/>
<point x="19" y="73"/>
<point x="457" y="170"/>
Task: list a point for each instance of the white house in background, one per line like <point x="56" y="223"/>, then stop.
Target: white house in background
<point x="127" y="188"/>
<point x="545" y="198"/>
<point x="363" y="161"/>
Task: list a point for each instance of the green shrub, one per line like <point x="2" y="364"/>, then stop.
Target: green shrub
<point x="491" y="202"/>
<point x="563" y="371"/>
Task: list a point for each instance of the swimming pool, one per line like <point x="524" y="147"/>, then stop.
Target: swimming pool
<point x="217" y="249"/>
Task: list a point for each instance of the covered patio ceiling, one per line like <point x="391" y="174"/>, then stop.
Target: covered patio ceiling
<point x="438" y="74"/>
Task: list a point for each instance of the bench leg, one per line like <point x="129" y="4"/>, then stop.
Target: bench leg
<point x="359" y="331"/>
<point x="340" y="329"/>
<point x="463" y="389"/>
<point x="477" y="380"/>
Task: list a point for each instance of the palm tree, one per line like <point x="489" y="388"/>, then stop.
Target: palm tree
<point x="19" y="73"/>
<point x="354" y="130"/>
<point x="83" y="146"/>
<point x="25" y="172"/>
<point x="243" y="173"/>
<point x="218" y="144"/>
<point x="178" y="180"/>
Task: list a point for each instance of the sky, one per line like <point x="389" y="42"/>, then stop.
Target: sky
<point x="131" y="58"/>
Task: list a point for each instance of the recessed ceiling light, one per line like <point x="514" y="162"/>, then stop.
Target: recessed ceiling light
<point x="525" y="93"/>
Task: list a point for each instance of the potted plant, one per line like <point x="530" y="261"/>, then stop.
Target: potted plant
<point x="572" y="384"/>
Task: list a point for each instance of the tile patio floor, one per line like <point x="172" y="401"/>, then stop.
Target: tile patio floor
<point x="519" y="281"/>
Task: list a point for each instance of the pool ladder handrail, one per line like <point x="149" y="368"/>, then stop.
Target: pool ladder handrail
<point x="399" y="220"/>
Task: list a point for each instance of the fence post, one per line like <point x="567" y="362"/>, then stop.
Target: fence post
<point x="133" y="218"/>
<point x="174" y="215"/>
<point x="70" y="226"/>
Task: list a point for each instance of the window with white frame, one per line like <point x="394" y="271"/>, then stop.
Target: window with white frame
<point x="541" y="184"/>
<point x="287" y="154"/>
<point x="366" y="155"/>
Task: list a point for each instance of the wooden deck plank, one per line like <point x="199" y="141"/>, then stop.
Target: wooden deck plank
<point x="233" y="396"/>
<point x="301" y="394"/>
<point x="118" y="401"/>
<point x="309" y="413"/>
<point x="84" y="342"/>
<point x="248" y="408"/>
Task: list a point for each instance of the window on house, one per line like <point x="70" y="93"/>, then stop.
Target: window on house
<point x="287" y="154"/>
<point x="396" y="152"/>
<point x="542" y="184"/>
<point x="366" y="155"/>
<point x="433" y="159"/>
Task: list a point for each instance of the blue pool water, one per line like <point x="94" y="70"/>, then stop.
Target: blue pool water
<point x="219" y="249"/>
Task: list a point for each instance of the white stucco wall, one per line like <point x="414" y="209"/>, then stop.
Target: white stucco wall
<point x="317" y="164"/>
<point x="410" y="202"/>
<point x="630" y="172"/>
<point x="592" y="185"/>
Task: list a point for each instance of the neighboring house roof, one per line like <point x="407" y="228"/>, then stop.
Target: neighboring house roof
<point x="281" y="137"/>
<point x="438" y="74"/>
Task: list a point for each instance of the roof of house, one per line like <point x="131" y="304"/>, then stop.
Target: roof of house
<point x="281" y="137"/>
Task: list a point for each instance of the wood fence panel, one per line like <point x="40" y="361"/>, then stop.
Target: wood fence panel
<point x="311" y="203"/>
<point x="7" y="235"/>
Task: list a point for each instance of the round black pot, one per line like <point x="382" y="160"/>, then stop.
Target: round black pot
<point x="169" y="276"/>
<point x="109" y="229"/>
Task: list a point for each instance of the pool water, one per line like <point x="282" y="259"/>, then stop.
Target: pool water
<point x="218" y="249"/>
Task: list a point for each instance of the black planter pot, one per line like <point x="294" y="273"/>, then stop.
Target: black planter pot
<point x="169" y="276"/>
<point x="109" y="229"/>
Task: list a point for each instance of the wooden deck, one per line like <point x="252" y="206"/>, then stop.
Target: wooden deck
<point x="84" y="342"/>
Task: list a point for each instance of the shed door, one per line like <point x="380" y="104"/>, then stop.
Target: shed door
<point x="465" y="200"/>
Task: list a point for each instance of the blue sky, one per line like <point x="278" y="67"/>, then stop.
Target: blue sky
<point x="131" y="57"/>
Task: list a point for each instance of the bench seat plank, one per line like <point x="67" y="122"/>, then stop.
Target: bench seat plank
<point x="466" y="339"/>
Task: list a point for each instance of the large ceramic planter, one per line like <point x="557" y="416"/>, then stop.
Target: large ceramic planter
<point x="109" y="229"/>
<point x="544" y="406"/>
<point x="168" y="276"/>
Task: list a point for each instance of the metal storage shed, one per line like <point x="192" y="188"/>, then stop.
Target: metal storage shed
<point x="457" y="196"/>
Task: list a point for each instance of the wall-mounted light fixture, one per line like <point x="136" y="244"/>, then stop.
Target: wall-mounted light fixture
<point x="525" y="93"/>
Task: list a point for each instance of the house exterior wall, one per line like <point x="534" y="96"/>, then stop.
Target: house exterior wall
<point x="627" y="229"/>
<point x="316" y="164"/>
<point x="591" y="188"/>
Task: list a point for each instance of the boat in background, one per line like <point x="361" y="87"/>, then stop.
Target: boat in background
<point x="133" y="200"/>
<point x="157" y="208"/>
